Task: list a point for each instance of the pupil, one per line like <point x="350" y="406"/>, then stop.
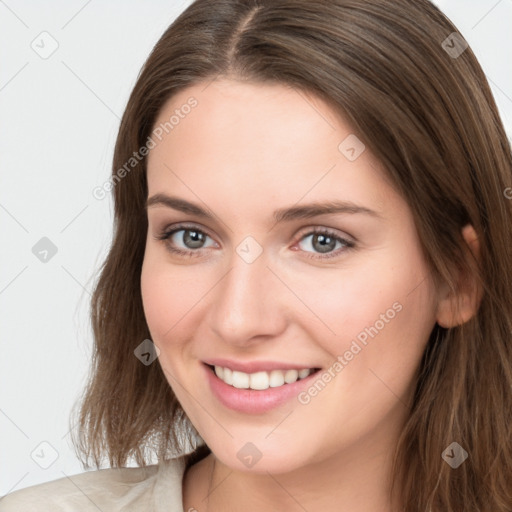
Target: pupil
<point x="326" y="243"/>
<point x="193" y="238"/>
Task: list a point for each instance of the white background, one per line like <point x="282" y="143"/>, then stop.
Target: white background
<point x="59" y="118"/>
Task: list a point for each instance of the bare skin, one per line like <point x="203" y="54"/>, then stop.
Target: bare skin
<point x="244" y="151"/>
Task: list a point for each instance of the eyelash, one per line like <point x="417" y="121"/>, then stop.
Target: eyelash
<point x="165" y="235"/>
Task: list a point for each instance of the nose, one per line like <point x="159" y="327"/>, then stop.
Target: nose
<point x="249" y="303"/>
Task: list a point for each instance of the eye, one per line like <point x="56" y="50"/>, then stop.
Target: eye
<point x="191" y="239"/>
<point x="324" y="241"/>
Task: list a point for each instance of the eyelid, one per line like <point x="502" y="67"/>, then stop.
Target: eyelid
<point x="167" y="230"/>
<point x="349" y="241"/>
<point x="316" y="228"/>
<point x="304" y="231"/>
<point x="165" y="234"/>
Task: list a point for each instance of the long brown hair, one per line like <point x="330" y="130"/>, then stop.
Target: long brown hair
<point x="421" y="103"/>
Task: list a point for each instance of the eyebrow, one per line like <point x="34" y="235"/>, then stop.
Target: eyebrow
<point x="282" y="215"/>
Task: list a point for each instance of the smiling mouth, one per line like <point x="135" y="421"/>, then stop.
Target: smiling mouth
<point x="261" y="380"/>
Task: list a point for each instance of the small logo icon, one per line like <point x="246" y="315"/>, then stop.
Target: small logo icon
<point x="454" y="45"/>
<point x="44" y="454"/>
<point x="147" y="352"/>
<point x="44" y="250"/>
<point x="351" y="147"/>
<point x="455" y="455"/>
<point x="249" y="249"/>
<point x="249" y="455"/>
<point x="45" y="45"/>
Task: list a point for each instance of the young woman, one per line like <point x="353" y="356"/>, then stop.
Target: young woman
<point x="307" y="304"/>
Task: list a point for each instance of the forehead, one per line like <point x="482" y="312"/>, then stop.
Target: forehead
<point x="247" y="116"/>
<point x="260" y="141"/>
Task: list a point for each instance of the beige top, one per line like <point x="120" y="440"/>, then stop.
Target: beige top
<point x="155" y="488"/>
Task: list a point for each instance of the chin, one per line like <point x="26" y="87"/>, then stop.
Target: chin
<point x="261" y="457"/>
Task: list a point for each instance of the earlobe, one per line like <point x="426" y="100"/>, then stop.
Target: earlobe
<point x="457" y="309"/>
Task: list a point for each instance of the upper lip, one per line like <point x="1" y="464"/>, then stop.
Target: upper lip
<point x="255" y="366"/>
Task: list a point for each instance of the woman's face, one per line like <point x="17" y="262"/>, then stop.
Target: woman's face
<point x="257" y="291"/>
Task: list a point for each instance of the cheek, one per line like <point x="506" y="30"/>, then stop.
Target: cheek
<point x="162" y="303"/>
<point x="382" y="296"/>
<point x="379" y="321"/>
<point x="378" y="317"/>
<point x="171" y="296"/>
<point x="167" y="297"/>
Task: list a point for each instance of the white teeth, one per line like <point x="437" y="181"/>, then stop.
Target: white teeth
<point x="276" y="378"/>
<point x="260" y="380"/>
<point x="219" y="371"/>
<point x="228" y="376"/>
<point x="304" y="373"/>
<point x="240" y="380"/>
<point x="291" y="376"/>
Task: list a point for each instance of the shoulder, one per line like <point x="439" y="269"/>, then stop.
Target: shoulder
<point x="108" y="490"/>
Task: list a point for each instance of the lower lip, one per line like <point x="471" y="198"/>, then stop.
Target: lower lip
<point x="252" y="401"/>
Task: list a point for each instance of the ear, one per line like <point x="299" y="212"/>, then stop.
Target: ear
<point x="457" y="309"/>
